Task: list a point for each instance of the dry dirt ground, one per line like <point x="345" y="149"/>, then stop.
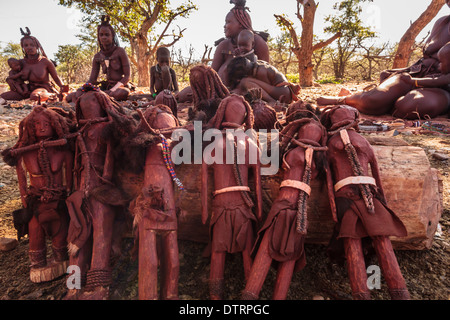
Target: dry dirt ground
<point x="426" y="272"/>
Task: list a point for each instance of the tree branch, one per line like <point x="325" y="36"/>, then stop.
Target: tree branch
<point x="323" y="44"/>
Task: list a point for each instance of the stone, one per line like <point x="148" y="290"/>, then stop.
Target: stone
<point x="440" y="156"/>
<point x="8" y="244"/>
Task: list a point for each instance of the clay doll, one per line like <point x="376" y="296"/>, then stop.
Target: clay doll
<point x="265" y="116"/>
<point x="281" y="238"/>
<point x="42" y="154"/>
<point x="208" y="91"/>
<point x="96" y="202"/>
<point x="16" y="77"/>
<point x="38" y="69"/>
<point x="237" y="20"/>
<point x="244" y="75"/>
<point x="231" y="224"/>
<point x="155" y="214"/>
<point x="360" y="203"/>
<point x="162" y="76"/>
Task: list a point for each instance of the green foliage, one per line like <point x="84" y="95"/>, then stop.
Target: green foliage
<point x="292" y="77"/>
<point x="74" y="63"/>
<point x="144" y="24"/>
<point x="130" y="18"/>
<point x="329" y="80"/>
<point x="348" y="22"/>
<point x="10" y="50"/>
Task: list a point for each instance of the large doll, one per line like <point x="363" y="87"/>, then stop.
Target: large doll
<point x="42" y="154"/>
<point x="281" y="238"/>
<point x="232" y="220"/>
<point x="96" y="202"/>
<point x="360" y="203"/>
<point x="155" y="212"/>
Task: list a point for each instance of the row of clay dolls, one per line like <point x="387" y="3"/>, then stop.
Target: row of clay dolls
<point x="74" y="161"/>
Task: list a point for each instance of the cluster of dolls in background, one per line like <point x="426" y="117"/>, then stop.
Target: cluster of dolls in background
<point x="71" y="166"/>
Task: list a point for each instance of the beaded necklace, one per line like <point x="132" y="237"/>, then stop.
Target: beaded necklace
<point x="168" y="162"/>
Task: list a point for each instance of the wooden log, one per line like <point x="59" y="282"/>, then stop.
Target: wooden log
<point x="413" y="190"/>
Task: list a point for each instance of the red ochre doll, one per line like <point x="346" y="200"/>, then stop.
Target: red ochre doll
<point x="155" y="212"/>
<point x="96" y="202"/>
<point x="232" y="220"/>
<point x="360" y="203"/>
<point x="43" y="154"/>
<point x="281" y="238"/>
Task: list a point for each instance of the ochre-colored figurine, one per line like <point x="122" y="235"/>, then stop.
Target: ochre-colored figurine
<point x="208" y="91"/>
<point x="155" y="212"/>
<point x="167" y="98"/>
<point x="42" y="154"/>
<point x="265" y="116"/>
<point x="360" y="203"/>
<point x="281" y="238"/>
<point x="96" y="201"/>
<point x="232" y="219"/>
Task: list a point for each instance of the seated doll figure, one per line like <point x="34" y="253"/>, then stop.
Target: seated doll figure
<point x="361" y="208"/>
<point x="155" y="214"/>
<point x="246" y="44"/>
<point x="281" y="239"/>
<point x="16" y="77"/>
<point x="45" y="158"/>
<point x="232" y="219"/>
<point x="162" y="76"/>
<point x="244" y="75"/>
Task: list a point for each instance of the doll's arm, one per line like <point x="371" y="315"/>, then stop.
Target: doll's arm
<point x="204" y="192"/>
<point x="376" y="174"/>
<point x="109" y="163"/>
<point x="330" y="188"/>
<point x="258" y="188"/>
<point x="69" y="171"/>
<point x="22" y="179"/>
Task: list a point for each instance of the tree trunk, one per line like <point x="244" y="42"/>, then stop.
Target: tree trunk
<point x="304" y="48"/>
<point x="406" y="43"/>
<point x="143" y="58"/>
<point x="304" y="56"/>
